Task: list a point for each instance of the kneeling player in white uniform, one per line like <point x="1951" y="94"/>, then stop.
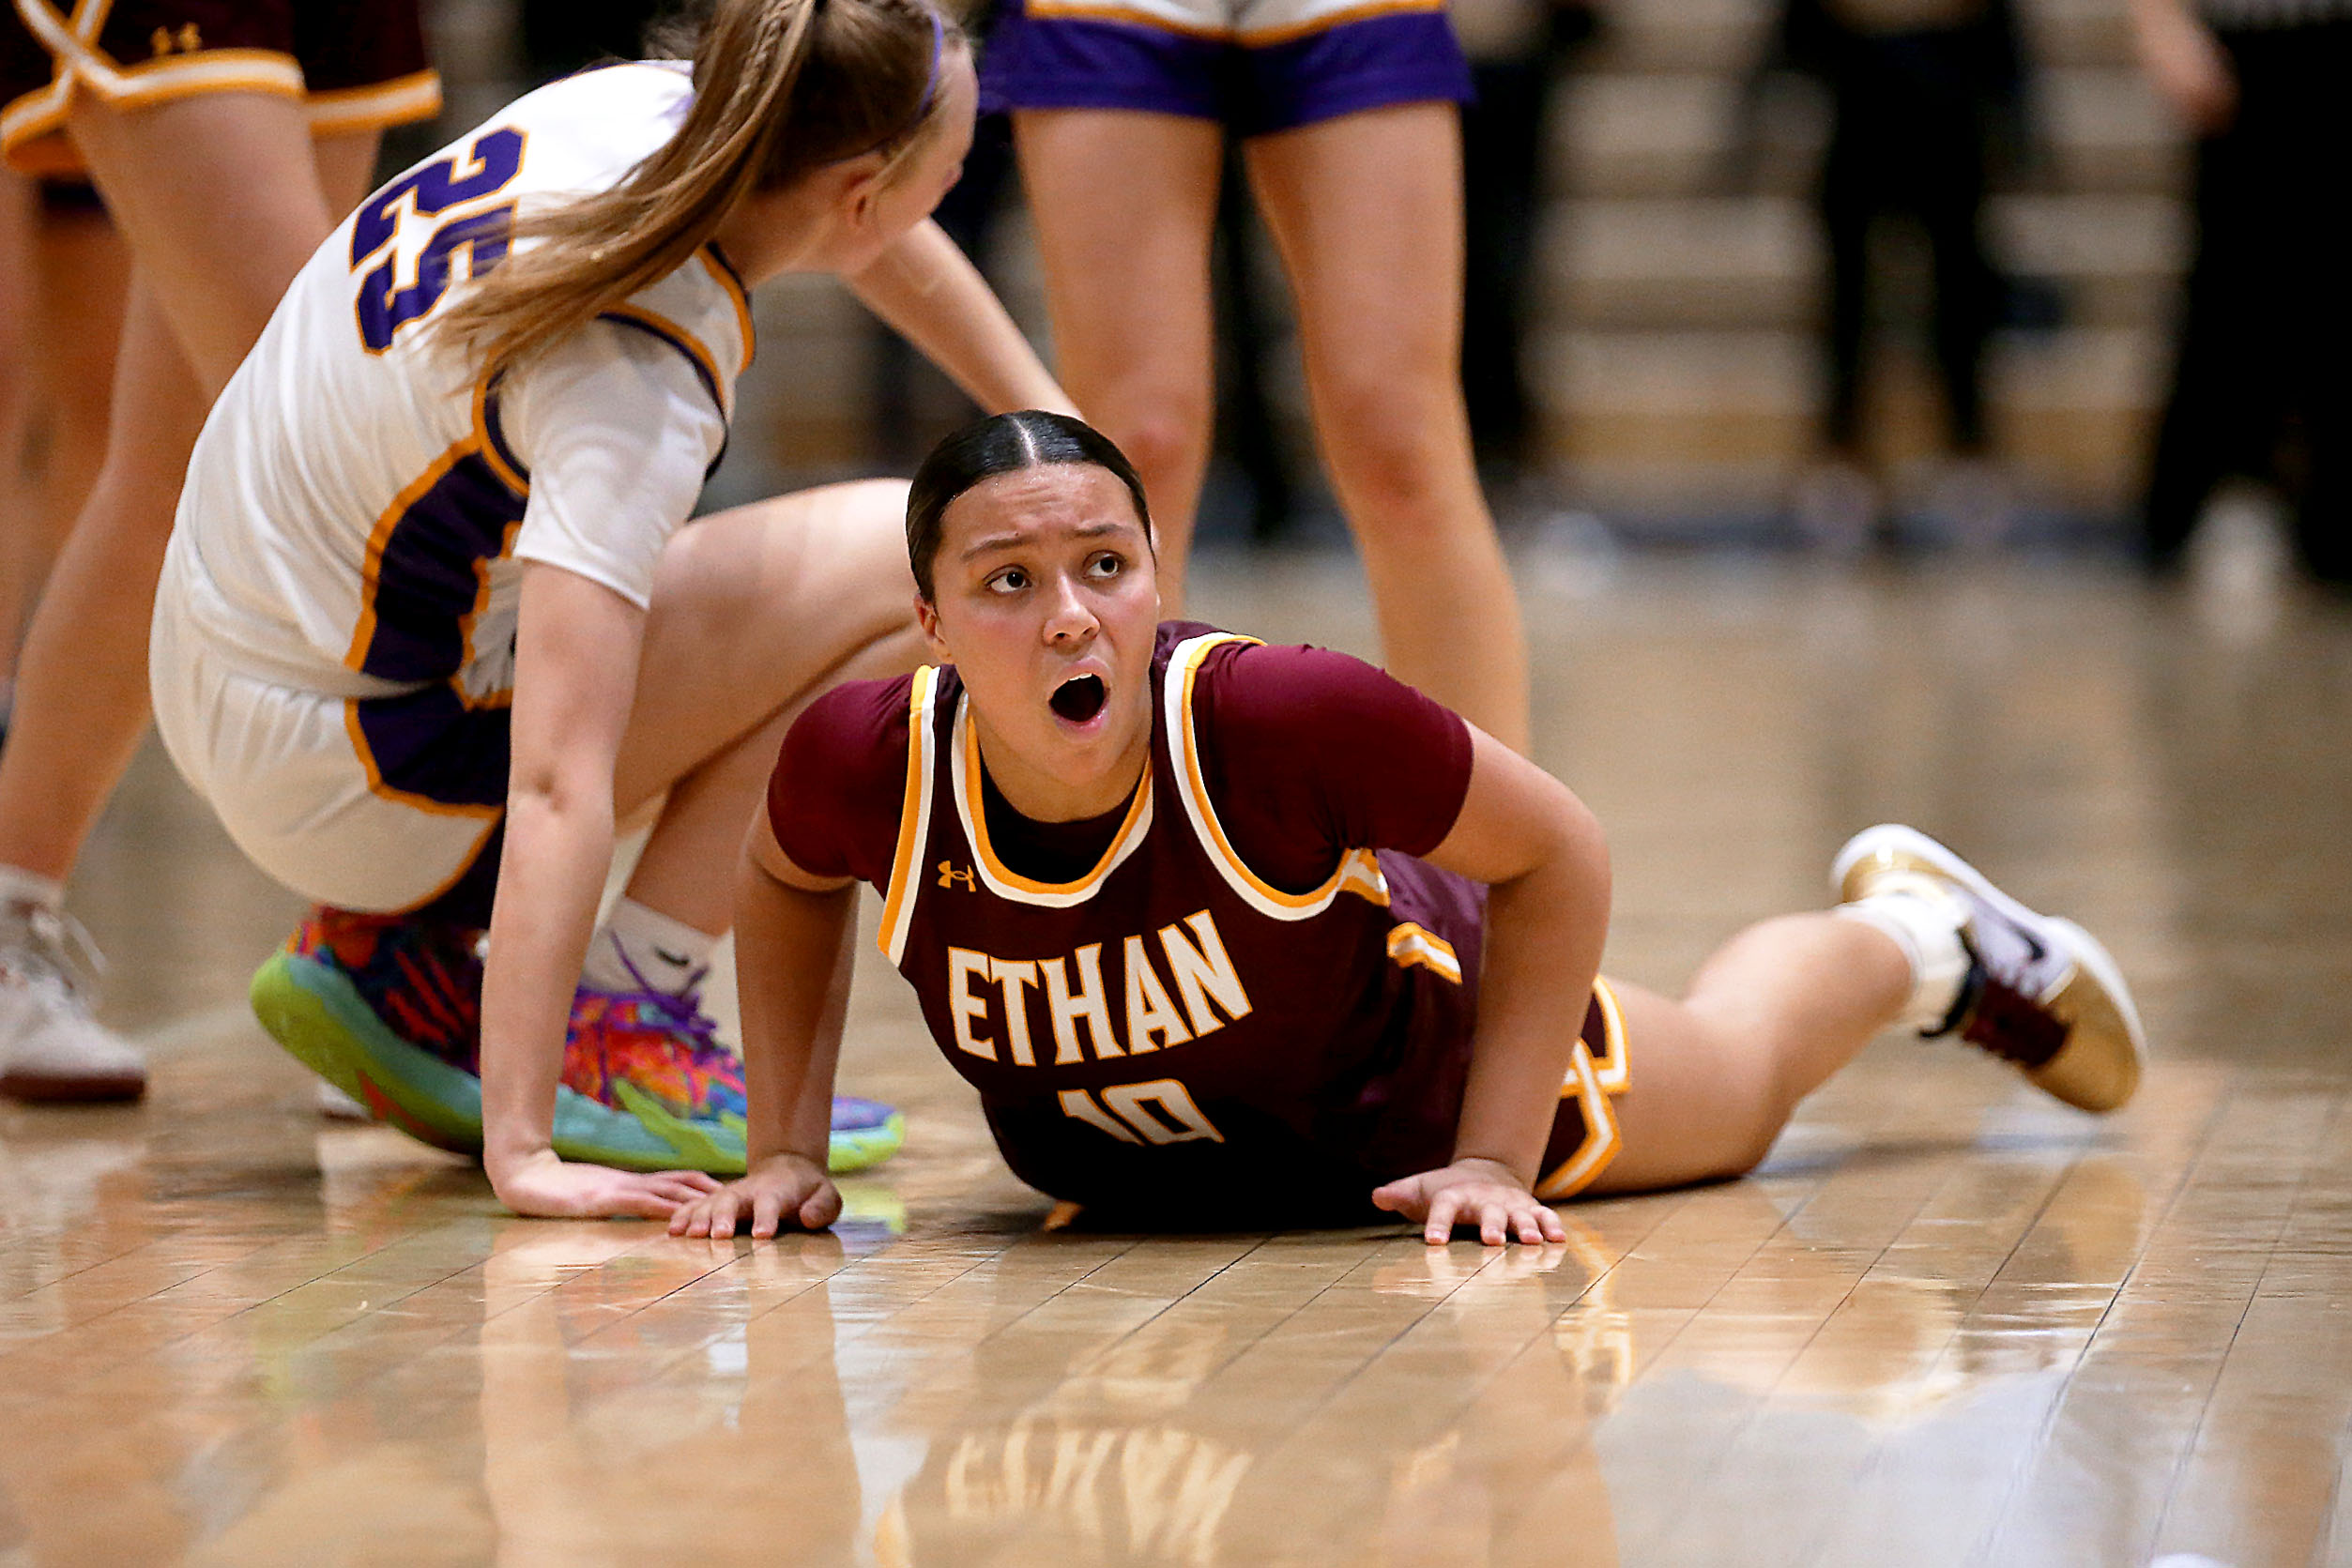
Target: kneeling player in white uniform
<point x="429" y="625"/>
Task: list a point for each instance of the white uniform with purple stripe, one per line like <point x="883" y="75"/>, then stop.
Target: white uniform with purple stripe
<point x="335" y="638"/>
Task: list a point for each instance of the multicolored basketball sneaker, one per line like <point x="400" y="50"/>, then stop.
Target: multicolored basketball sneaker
<point x="2041" y="992"/>
<point x="657" y="1056"/>
<point x="387" y="1010"/>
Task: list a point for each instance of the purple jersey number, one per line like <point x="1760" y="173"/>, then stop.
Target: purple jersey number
<point x="384" y="307"/>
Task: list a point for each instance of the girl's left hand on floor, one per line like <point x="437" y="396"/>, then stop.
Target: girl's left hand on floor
<point x="1472" y="1192"/>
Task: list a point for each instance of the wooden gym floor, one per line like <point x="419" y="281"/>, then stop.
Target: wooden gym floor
<point x="1950" y="1322"/>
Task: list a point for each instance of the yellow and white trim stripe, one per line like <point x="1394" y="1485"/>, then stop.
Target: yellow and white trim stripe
<point x="1358" y="871"/>
<point x="72" y="41"/>
<point x="914" y="818"/>
<point x="1584" y="1085"/>
<point x="1002" y="880"/>
<point x="341" y="111"/>
<point x="1410" y="944"/>
<point x="1612" y="1070"/>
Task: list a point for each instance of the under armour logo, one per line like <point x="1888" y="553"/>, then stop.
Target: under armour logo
<point x="186" y="40"/>
<point x="950" y="875"/>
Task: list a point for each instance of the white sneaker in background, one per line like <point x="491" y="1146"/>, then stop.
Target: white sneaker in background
<point x="50" y="1047"/>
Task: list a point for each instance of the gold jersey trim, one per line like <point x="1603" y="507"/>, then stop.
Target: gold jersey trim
<point x="1359" y="869"/>
<point x="914" y="818"/>
<point x="1585" y="1083"/>
<point x="1410" y="944"/>
<point x="724" y="275"/>
<point x="1002" y="880"/>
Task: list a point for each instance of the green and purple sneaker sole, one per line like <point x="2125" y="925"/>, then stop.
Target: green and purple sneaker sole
<point x="311" y="1009"/>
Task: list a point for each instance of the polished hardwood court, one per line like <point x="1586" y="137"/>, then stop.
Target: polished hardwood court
<point x="1950" y="1321"/>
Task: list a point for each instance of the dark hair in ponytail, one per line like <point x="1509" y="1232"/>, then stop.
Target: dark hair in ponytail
<point x="782" y="87"/>
<point x="1003" y="444"/>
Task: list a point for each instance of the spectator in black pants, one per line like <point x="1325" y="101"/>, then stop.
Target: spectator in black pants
<point x="1518" y="50"/>
<point x="2261" y="385"/>
<point x="1920" y="91"/>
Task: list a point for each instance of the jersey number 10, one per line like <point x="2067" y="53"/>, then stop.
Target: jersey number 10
<point x="384" y="305"/>
<point x="1161" y="1111"/>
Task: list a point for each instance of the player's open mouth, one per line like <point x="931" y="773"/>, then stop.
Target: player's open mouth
<point x="1080" y="698"/>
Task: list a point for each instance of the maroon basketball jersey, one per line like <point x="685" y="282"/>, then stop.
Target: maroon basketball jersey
<point x="1170" y="1028"/>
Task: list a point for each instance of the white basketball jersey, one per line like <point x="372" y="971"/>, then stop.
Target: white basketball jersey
<point x="359" y="502"/>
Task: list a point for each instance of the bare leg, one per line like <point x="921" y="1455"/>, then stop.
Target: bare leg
<point x="81" y="281"/>
<point x="224" y="197"/>
<point x="1367" y="211"/>
<point x="1768" y="1018"/>
<point x="1123" y="203"/>
<point x="756" y="612"/>
<point x="82" y="686"/>
<point x="18" y="502"/>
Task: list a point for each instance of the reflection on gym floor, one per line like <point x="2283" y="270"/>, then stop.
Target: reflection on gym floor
<point x="1950" y="1322"/>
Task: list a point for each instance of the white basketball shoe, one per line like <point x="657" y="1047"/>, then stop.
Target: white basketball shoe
<point x="50" y="1047"/>
<point x="2039" y="992"/>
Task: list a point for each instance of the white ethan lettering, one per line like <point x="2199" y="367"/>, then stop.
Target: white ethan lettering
<point x="1204" y="972"/>
<point x="963" y="968"/>
<point x="1151" y="1011"/>
<point x="1088" y="1005"/>
<point x="1016" y="978"/>
<point x="1079" y="1104"/>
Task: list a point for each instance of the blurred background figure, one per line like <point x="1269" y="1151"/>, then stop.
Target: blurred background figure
<point x="1518" y="52"/>
<point x="1920" y="92"/>
<point x="1646" y="356"/>
<point x="2259" y="387"/>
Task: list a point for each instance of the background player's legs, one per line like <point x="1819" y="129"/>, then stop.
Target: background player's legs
<point x="1367" y="211"/>
<point x="81" y="691"/>
<point x="204" y="234"/>
<point x="18" y="504"/>
<point x="222" y="198"/>
<point x="1767" y="1019"/>
<point x="80" y="281"/>
<point x="755" y="613"/>
<point x="1123" y="203"/>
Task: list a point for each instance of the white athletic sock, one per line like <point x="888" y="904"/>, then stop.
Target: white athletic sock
<point x="1926" y="925"/>
<point x="19" y="885"/>
<point x="668" y="953"/>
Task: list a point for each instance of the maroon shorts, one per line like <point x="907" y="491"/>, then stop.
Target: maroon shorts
<point x="359" y="65"/>
<point x="1584" y="1134"/>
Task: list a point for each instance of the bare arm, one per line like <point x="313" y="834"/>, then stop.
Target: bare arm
<point x="927" y="288"/>
<point x="792" y="935"/>
<point x="2186" y="65"/>
<point x="575" y="673"/>
<point x="1546" y="866"/>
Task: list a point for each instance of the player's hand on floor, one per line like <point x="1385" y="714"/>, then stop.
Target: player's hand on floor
<point x="550" y="1187"/>
<point x="1472" y="1192"/>
<point x="785" y="1190"/>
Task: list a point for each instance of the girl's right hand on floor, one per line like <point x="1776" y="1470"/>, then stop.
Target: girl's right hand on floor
<point x="783" y="1189"/>
<point x="547" y="1186"/>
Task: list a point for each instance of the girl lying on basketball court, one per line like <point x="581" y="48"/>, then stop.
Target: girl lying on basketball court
<point x="428" y="621"/>
<point x="1230" y="933"/>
